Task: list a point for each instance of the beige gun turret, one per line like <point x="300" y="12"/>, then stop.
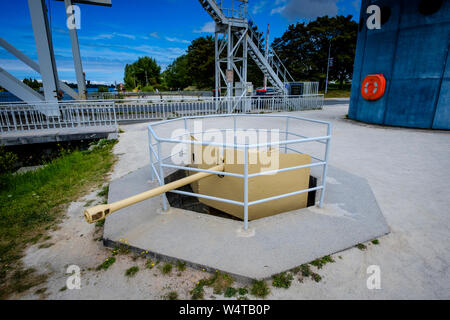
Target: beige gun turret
<point x="231" y="187"/>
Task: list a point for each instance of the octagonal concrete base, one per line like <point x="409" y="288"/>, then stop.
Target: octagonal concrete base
<point x="274" y="244"/>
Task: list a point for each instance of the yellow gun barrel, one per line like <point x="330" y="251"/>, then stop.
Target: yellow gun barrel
<point x="100" y="212"/>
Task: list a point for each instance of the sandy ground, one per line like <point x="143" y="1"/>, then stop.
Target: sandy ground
<point x="407" y="169"/>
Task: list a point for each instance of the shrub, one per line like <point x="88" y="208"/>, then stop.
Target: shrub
<point x="230" y="292"/>
<point x="282" y="280"/>
<point x="166" y="268"/>
<point x="260" y="289"/>
<point x="7" y="161"/>
<point x="147" y="89"/>
<point x="107" y="263"/>
<point x="132" y="271"/>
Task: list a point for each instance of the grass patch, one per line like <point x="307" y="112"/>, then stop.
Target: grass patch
<point x="336" y="93"/>
<point x="45" y="245"/>
<point x="319" y="263"/>
<point x="34" y="202"/>
<point x="242" y="291"/>
<point x="198" y="293"/>
<point x="100" y="223"/>
<point x="104" y="192"/>
<point x="166" y="268"/>
<point x="149" y="264"/>
<point x="305" y="270"/>
<point x="376" y="242"/>
<point x="106" y="264"/>
<point x="181" y="266"/>
<point x="131" y="272"/>
<point x="88" y="203"/>
<point x="40" y="291"/>
<point x="230" y="292"/>
<point x="282" y="280"/>
<point x="361" y="246"/>
<point x="260" y="289"/>
<point x="172" y="295"/>
<point x="63" y="289"/>
<point x="24" y="279"/>
<point x="219" y="282"/>
<point x="122" y="249"/>
<point x="316" y="277"/>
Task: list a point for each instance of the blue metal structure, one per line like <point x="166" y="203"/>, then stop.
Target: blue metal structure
<point x="411" y="50"/>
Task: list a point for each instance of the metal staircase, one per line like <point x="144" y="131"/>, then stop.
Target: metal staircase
<point x="271" y="65"/>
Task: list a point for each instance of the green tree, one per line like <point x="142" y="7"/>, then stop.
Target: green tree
<point x="176" y="76"/>
<point x="200" y="62"/>
<point x="144" y="72"/>
<point x="304" y="48"/>
<point x="32" y="83"/>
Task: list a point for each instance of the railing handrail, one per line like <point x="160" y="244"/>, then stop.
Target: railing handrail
<point x="106" y="101"/>
<point x="39" y="116"/>
<point x="156" y="158"/>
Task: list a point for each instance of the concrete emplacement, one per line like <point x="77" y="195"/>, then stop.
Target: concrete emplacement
<point x="282" y="234"/>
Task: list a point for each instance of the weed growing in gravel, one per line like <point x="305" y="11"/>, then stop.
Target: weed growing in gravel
<point x="100" y="223"/>
<point x="220" y="282"/>
<point x="260" y="289"/>
<point x="282" y="280"/>
<point x="361" y="246"/>
<point x="319" y="263"/>
<point x="316" y="277"/>
<point x="181" y="266"/>
<point x="172" y="295"/>
<point x="131" y="272"/>
<point x="106" y="264"/>
<point x="230" y="292"/>
<point x="149" y="264"/>
<point x="166" y="268"/>
<point x="198" y="292"/>
<point x="242" y="291"/>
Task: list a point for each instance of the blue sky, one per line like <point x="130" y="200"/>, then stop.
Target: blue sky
<point x="112" y="37"/>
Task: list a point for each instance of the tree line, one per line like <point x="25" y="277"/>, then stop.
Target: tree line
<point x="303" y="48"/>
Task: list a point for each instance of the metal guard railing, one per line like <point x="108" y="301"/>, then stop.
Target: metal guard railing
<point x="25" y="117"/>
<point x="159" y="161"/>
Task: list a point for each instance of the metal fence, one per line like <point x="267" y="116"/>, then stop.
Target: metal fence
<point x="19" y="117"/>
<point x="161" y="162"/>
<point x="68" y="114"/>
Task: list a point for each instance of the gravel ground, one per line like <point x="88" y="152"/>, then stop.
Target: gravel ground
<point x="408" y="170"/>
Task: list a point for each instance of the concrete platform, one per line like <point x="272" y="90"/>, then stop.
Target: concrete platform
<point x="57" y="135"/>
<point x="275" y="244"/>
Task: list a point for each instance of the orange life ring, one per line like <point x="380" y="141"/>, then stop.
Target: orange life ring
<point x="373" y="87"/>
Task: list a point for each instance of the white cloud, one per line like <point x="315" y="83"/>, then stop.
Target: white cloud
<point x="258" y="8"/>
<point x="154" y="35"/>
<point x="177" y="40"/>
<point x="109" y="36"/>
<point x="209" y="27"/>
<point x="307" y="9"/>
<point x="277" y="10"/>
